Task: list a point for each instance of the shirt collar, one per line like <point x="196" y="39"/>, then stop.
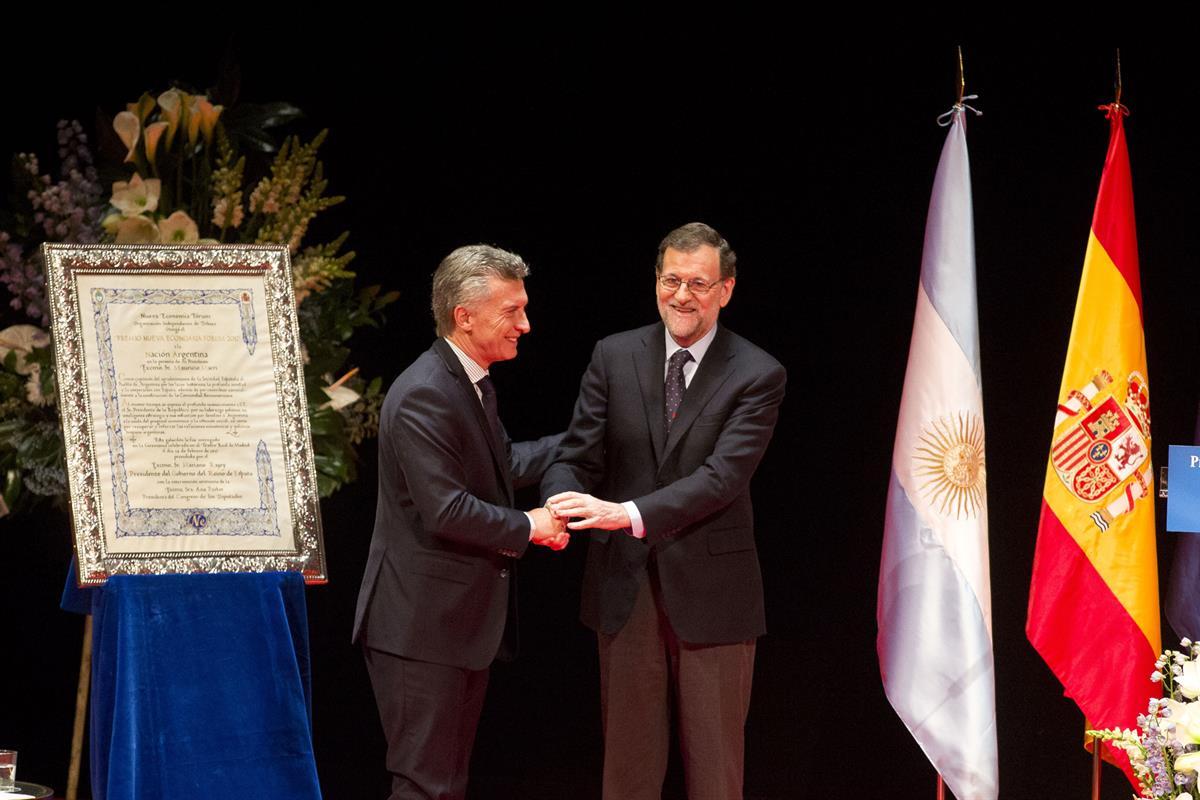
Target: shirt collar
<point x="697" y="349"/>
<point x="473" y="370"/>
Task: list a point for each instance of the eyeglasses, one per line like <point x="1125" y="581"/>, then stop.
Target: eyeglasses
<point x="695" y="285"/>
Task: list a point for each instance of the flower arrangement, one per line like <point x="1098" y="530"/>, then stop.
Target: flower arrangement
<point x="1165" y="749"/>
<point x="192" y="171"/>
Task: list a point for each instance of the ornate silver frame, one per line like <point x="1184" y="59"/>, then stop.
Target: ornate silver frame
<point x="142" y="269"/>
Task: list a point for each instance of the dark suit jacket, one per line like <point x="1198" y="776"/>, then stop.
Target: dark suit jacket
<point x="442" y="561"/>
<point x="691" y="488"/>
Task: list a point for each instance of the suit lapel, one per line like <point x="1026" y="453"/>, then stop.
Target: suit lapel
<point x="649" y="363"/>
<point x="471" y="401"/>
<point x="713" y="371"/>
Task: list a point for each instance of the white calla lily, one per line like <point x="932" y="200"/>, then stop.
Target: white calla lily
<point x="129" y="129"/>
<point x="172" y="104"/>
<point x="339" y="397"/>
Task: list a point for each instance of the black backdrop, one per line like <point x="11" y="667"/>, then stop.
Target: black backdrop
<point x="816" y="162"/>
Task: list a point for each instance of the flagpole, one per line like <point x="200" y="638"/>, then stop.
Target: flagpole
<point x="1096" y="771"/>
<point x="960" y="90"/>
<point x="1117" y="83"/>
<point x="962" y="81"/>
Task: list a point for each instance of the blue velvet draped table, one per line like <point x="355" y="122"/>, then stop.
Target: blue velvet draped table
<point x="201" y="687"/>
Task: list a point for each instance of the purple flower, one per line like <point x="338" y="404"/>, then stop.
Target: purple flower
<point x="68" y="210"/>
<point x="24" y="280"/>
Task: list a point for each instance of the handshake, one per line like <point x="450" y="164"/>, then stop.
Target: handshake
<point x="574" y="511"/>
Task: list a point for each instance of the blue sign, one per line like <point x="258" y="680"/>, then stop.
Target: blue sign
<point x="1183" y="498"/>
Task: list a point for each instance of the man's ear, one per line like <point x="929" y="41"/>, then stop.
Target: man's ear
<point x="462" y="318"/>
<point x="727" y="295"/>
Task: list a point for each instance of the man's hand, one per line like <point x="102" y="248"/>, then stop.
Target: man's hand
<point x="589" y="512"/>
<point x="549" y="530"/>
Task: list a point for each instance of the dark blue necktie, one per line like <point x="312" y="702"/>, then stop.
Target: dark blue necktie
<point x="490" y="408"/>
<point x="675" y="385"/>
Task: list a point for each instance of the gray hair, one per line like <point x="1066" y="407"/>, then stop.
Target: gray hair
<point x="690" y="238"/>
<point x="462" y="279"/>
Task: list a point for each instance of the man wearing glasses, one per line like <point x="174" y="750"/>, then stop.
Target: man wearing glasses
<point x="670" y="424"/>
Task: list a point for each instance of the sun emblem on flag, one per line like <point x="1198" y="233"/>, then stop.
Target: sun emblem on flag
<point x="949" y="463"/>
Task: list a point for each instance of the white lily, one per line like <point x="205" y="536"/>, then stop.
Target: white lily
<point x="136" y="196"/>
<point x="178" y="228"/>
<point x="1188" y="762"/>
<point x="1186" y="717"/>
<point x="1188" y="683"/>
<point x="21" y="339"/>
<point x="137" y="230"/>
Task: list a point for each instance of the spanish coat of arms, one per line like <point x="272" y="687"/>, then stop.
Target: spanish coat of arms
<point x="1101" y="449"/>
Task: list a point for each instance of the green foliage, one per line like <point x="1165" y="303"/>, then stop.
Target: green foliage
<point x="317" y="267"/>
<point x="327" y="321"/>
<point x="31" y="453"/>
<point x="249" y="125"/>
<point x="204" y="168"/>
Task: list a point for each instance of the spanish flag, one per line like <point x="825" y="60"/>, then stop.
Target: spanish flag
<point x="1093" y="602"/>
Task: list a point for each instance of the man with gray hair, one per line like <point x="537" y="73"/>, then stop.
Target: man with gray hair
<point x="436" y="604"/>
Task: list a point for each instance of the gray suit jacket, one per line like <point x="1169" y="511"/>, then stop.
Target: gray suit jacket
<point x="440" y="577"/>
<point x="692" y="488"/>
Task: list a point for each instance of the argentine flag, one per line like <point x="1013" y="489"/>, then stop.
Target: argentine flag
<point x="934" y="608"/>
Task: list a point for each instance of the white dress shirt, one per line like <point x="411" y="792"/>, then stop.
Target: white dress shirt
<point x="698" y="349"/>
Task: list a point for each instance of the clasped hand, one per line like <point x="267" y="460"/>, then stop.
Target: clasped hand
<point x="549" y="530"/>
<point x="574" y="511"/>
<point x="587" y="511"/>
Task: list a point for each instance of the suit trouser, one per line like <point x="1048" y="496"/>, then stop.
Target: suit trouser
<point x="429" y="714"/>
<point x="642" y="668"/>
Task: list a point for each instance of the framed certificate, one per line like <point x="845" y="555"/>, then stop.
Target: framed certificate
<point x="181" y="392"/>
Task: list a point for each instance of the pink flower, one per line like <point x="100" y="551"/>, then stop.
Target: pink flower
<point x="178" y="228"/>
<point x="137" y="230"/>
